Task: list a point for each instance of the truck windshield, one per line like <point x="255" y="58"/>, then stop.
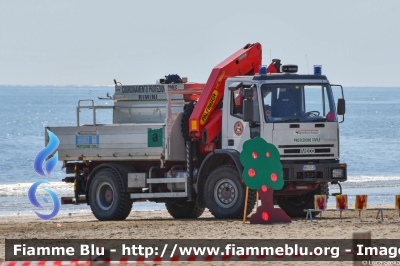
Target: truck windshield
<point x="298" y="103"/>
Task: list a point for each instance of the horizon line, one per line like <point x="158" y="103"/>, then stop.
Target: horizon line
<point x="68" y="85"/>
<point x="97" y="85"/>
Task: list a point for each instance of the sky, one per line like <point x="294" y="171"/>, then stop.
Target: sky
<point x="88" y="42"/>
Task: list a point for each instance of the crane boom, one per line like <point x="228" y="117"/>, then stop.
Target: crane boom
<point x="244" y="62"/>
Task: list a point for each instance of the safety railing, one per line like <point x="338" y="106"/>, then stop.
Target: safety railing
<point x="92" y="107"/>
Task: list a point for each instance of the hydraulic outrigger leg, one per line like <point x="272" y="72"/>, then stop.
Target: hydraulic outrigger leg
<point x="189" y="168"/>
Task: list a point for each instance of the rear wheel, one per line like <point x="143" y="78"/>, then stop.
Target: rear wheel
<point x="108" y="201"/>
<point x="184" y="209"/>
<point x="295" y="206"/>
<point x="224" y="194"/>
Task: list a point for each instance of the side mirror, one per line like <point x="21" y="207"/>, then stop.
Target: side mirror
<point x="235" y="86"/>
<point x="248" y="105"/>
<point x="248" y="93"/>
<point x="248" y="110"/>
<point x="341" y="107"/>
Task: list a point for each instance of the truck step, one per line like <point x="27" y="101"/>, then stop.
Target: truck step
<point x="68" y="200"/>
<point x="166" y="180"/>
<point x="158" y="195"/>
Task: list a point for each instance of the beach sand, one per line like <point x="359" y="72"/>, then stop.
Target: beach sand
<point x="160" y="225"/>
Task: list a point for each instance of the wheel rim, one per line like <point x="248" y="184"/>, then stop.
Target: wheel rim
<point x="225" y="193"/>
<point x="105" y="195"/>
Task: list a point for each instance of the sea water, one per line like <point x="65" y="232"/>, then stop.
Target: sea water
<point x="369" y="142"/>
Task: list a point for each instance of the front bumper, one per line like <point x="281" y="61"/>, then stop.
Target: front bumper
<point x="314" y="172"/>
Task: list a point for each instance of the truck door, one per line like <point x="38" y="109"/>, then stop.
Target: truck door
<point x="238" y="131"/>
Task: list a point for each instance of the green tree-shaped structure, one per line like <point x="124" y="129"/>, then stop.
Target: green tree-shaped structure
<point x="263" y="171"/>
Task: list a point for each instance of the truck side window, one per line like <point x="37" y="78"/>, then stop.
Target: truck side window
<point x="237" y="103"/>
<point x="267" y="102"/>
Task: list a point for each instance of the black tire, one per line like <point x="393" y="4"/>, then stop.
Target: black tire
<point x="187" y="112"/>
<point x="224" y="194"/>
<point x="295" y="206"/>
<point x="184" y="209"/>
<point x="108" y="201"/>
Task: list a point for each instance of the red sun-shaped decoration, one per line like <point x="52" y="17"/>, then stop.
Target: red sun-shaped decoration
<point x="254" y="155"/>
<point x="264" y="188"/>
<point x="268" y="154"/>
<point x="265" y="216"/>
<point x="274" y="177"/>
<point x="251" y="172"/>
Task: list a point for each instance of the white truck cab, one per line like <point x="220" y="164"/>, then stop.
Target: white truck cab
<point x="296" y="113"/>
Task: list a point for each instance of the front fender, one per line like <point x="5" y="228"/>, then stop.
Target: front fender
<point x="212" y="161"/>
<point x="121" y="169"/>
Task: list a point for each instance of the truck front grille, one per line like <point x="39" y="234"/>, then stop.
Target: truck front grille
<point x="304" y="175"/>
<point x="322" y="150"/>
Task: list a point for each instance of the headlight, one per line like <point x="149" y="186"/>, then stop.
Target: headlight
<point x="337" y="173"/>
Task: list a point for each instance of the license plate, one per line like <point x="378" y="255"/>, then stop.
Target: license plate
<point x="309" y="167"/>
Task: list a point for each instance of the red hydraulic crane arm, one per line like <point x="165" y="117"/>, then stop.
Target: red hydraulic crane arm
<point x="243" y="62"/>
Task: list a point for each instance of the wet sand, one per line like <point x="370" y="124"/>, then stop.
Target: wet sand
<point x="160" y="225"/>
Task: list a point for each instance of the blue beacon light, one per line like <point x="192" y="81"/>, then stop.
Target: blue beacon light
<point x="317" y="69"/>
<point x="262" y="70"/>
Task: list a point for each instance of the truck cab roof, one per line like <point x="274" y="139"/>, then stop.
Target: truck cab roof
<point x="284" y="76"/>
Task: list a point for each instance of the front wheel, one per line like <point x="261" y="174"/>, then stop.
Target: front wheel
<point x="295" y="206"/>
<point x="108" y="200"/>
<point x="224" y="194"/>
